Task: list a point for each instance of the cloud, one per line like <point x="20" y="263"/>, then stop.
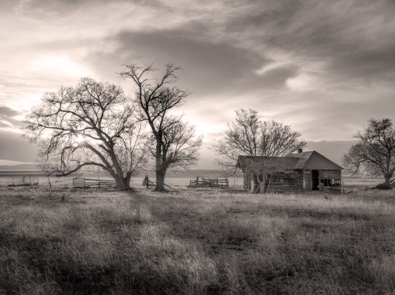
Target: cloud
<point x="7" y="112"/>
<point x="14" y="147"/>
<point x="50" y="8"/>
<point x="374" y="65"/>
<point x="303" y="82"/>
<point x="341" y="39"/>
<point x="8" y="118"/>
<point x="208" y="67"/>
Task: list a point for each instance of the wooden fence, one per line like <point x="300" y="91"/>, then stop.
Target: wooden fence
<point x="209" y="182"/>
<point x="148" y="183"/>
<point x="92" y="183"/>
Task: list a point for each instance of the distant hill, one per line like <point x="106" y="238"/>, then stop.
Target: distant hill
<point x="20" y="167"/>
<point x="181" y="173"/>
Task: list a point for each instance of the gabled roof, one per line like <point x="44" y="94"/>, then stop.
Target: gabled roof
<point x="272" y="164"/>
<point x="304" y="160"/>
<point x="314" y="160"/>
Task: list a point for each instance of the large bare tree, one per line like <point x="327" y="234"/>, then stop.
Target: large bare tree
<point x="374" y="153"/>
<point x="249" y="136"/>
<point x="173" y="141"/>
<point x="92" y="124"/>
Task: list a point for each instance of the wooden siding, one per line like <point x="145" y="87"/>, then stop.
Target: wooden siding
<point x="330" y="174"/>
<point x="299" y="179"/>
<point x="307" y="181"/>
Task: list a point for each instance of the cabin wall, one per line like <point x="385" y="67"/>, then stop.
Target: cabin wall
<point x="330" y="178"/>
<point x="303" y="180"/>
<point x="299" y="179"/>
<point x="330" y="174"/>
<point x="277" y="184"/>
<point x="307" y="180"/>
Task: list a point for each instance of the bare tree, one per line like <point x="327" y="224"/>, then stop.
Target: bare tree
<point x="92" y="124"/>
<point x="374" y="153"/>
<point x="278" y="140"/>
<point x="248" y="136"/>
<point x="174" y="143"/>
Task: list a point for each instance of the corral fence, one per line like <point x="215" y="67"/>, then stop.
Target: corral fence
<point x="148" y="183"/>
<point x="92" y="183"/>
<point x="23" y="181"/>
<point x="209" y="182"/>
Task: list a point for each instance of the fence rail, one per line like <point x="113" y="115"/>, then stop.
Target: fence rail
<point x="209" y="182"/>
<point x="91" y="183"/>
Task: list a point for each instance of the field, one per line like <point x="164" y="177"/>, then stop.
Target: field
<point x="197" y="242"/>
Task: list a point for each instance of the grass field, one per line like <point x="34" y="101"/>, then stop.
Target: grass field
<point x="195" y="243"/>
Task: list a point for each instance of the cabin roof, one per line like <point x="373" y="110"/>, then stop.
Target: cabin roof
<point x="273" y="164"/>
<point x="304" y="160"/>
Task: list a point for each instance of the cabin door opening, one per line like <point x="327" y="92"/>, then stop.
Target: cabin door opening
<point x="315" y="179"/>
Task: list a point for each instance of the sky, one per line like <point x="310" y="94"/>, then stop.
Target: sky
<point x="323" y="67"/>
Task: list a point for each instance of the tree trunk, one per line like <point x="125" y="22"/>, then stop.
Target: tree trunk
<point x="387" y="179"/>
<point x="262" y="185"/>
<point x="160" y="171"/>
<point x="49" y="182"/>
<point x="123" y="183"/>
<point x="255" y="182"/>
<point x="245" y="181"/>
<point x="160" y="181"/>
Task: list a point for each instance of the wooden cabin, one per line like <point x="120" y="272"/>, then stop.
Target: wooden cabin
<point x="301" y="171"/>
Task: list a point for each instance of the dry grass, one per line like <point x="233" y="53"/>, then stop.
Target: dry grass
<point x="120" y="243"/>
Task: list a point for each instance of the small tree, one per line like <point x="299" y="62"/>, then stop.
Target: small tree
<point x="90" y="125"/>
<point x="374" y="153"/>
<point x="249" y="136"/>
<point x="173" y="141"/>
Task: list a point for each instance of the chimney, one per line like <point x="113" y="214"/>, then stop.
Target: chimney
<point x="300" y="151"/>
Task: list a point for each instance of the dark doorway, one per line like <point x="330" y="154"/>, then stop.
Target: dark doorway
<point x="315" y="178"/>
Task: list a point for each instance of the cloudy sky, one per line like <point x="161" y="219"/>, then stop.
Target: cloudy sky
<point x="323" y="67"/>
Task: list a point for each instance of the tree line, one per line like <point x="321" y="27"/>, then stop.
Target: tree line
<point x="95" y="124"/>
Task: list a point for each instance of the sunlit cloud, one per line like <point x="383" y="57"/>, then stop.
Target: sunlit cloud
<point x="303" y="82"/>
<point x="60" y="65"/>
<point x="11" y="129"/>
